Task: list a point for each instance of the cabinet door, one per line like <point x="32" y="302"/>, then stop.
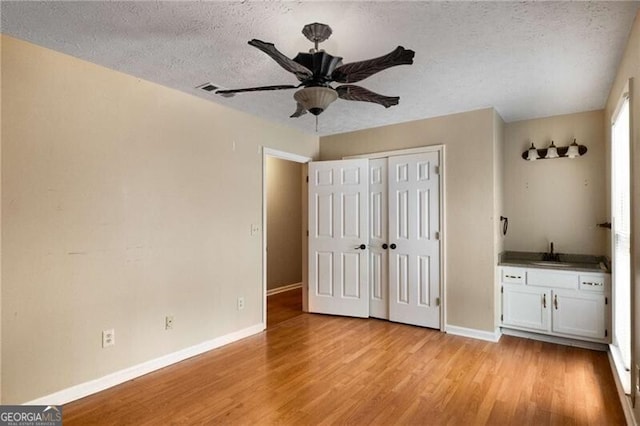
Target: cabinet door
<point x="526" y="307"/>
<point x="579" y="313"/>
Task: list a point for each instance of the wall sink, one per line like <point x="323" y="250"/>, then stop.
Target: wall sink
<point x="571" y="262"/>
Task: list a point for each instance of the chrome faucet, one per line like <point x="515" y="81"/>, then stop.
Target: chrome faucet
<point x="551" y="256"/>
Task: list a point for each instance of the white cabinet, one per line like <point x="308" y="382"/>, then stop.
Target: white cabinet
<point x="561" y="303"/>
<point x="526" y="307"/>
<point x="579" y="313"/>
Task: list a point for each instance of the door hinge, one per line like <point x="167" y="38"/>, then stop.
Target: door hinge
<point x="437" y="301"/>
<point x="502" y="289"/>
<point x="307" y="179"/>
<point x="437" y="235"/>
<point x="606" y="333"/>
<point x="436" y="170"/>
<point x="307" y="232"/>
<point x="606" y="300"/>
<point x="501" y="317"/>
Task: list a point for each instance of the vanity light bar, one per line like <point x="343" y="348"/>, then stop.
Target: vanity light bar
<point x="552" y="151"/>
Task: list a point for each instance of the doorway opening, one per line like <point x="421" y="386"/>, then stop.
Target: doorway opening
<point x="284" y="219"/>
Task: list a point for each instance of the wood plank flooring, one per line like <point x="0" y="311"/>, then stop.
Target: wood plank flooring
<point x="283" y="306"/>
<point x="315" y="369"/>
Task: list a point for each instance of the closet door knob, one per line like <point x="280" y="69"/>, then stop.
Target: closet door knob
<point x="361" y="247"/>
<point x="393" y="246"/>
<point x="385" y="246"/>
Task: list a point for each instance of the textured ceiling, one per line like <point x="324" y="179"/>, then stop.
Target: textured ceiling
<point x="526" y="59"/>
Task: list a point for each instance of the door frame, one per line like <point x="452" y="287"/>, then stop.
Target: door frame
<point x="440" y="148"/>
<point x="283" y="155"/>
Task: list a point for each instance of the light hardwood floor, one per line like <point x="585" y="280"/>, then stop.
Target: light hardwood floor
<point x="283" y="306"/>
<point x="315" y="369"/>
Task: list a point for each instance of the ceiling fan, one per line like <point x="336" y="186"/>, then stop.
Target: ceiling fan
<point x="317" y="69"/>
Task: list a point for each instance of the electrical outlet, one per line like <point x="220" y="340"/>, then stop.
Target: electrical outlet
<point x="168" y="322"/>
<point x="108" y="337"/>
<point x="240" y="303"/>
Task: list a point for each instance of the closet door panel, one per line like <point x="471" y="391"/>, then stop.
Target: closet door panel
<point x="414" y="246"/>
<point x="378" y="231"/>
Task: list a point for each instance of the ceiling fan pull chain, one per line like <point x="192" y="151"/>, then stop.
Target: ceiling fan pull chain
<point x="316" y="124"/>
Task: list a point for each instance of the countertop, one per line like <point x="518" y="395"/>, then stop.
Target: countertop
<point x="566" y="262"/>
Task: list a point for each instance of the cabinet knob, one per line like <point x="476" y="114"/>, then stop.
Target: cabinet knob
<point x="393" y="246"/>
<point x="385" y="246"/>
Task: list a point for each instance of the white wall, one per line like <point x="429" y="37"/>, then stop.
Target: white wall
<point x="560" y="200"/>
<point x="122" y="202"/>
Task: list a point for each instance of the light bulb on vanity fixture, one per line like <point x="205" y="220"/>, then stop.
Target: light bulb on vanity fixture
<point x="552" y="151"/>
<point x="574" y="150"/>
<point x="532" y="153"/>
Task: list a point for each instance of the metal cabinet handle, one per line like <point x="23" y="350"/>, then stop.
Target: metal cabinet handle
<point x="544" y="301"/>
<point x="555" y="301"/>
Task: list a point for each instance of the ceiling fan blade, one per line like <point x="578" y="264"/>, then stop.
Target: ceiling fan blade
<point x="229" y="93"/>
<point x="349" y="92"/>
<point x="299" y="111"/>
<point x="301" y="72"/>
<point x="356" y="71"/>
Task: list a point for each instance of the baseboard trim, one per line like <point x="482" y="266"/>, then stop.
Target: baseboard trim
<point x="625" y="401"/>
<point x="93" y="386"/>
<point x="283" y="289"/>
<point x="473" y="333"/>
<point x="556" y="339"/>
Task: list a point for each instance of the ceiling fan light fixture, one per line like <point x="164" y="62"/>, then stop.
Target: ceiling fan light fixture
<point x="315" y="99"/>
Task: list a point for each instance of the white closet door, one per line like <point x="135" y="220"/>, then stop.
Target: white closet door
<point x="414" y="246"/>
<point x="378" y="239"/>
<point x="338" y="235"/>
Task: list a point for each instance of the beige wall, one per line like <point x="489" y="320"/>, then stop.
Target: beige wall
<point x="498" y="207"/>
<point x="122" y="202"/>
<point x="560" y="200"/>
<point x="284" y="222"/>
<point x="470" y="201"/>
<point x="0" y="224"/>
<point x="629" y="68"/>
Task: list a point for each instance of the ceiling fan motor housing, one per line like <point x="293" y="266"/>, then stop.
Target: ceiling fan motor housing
<point x="321" y="64"/>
